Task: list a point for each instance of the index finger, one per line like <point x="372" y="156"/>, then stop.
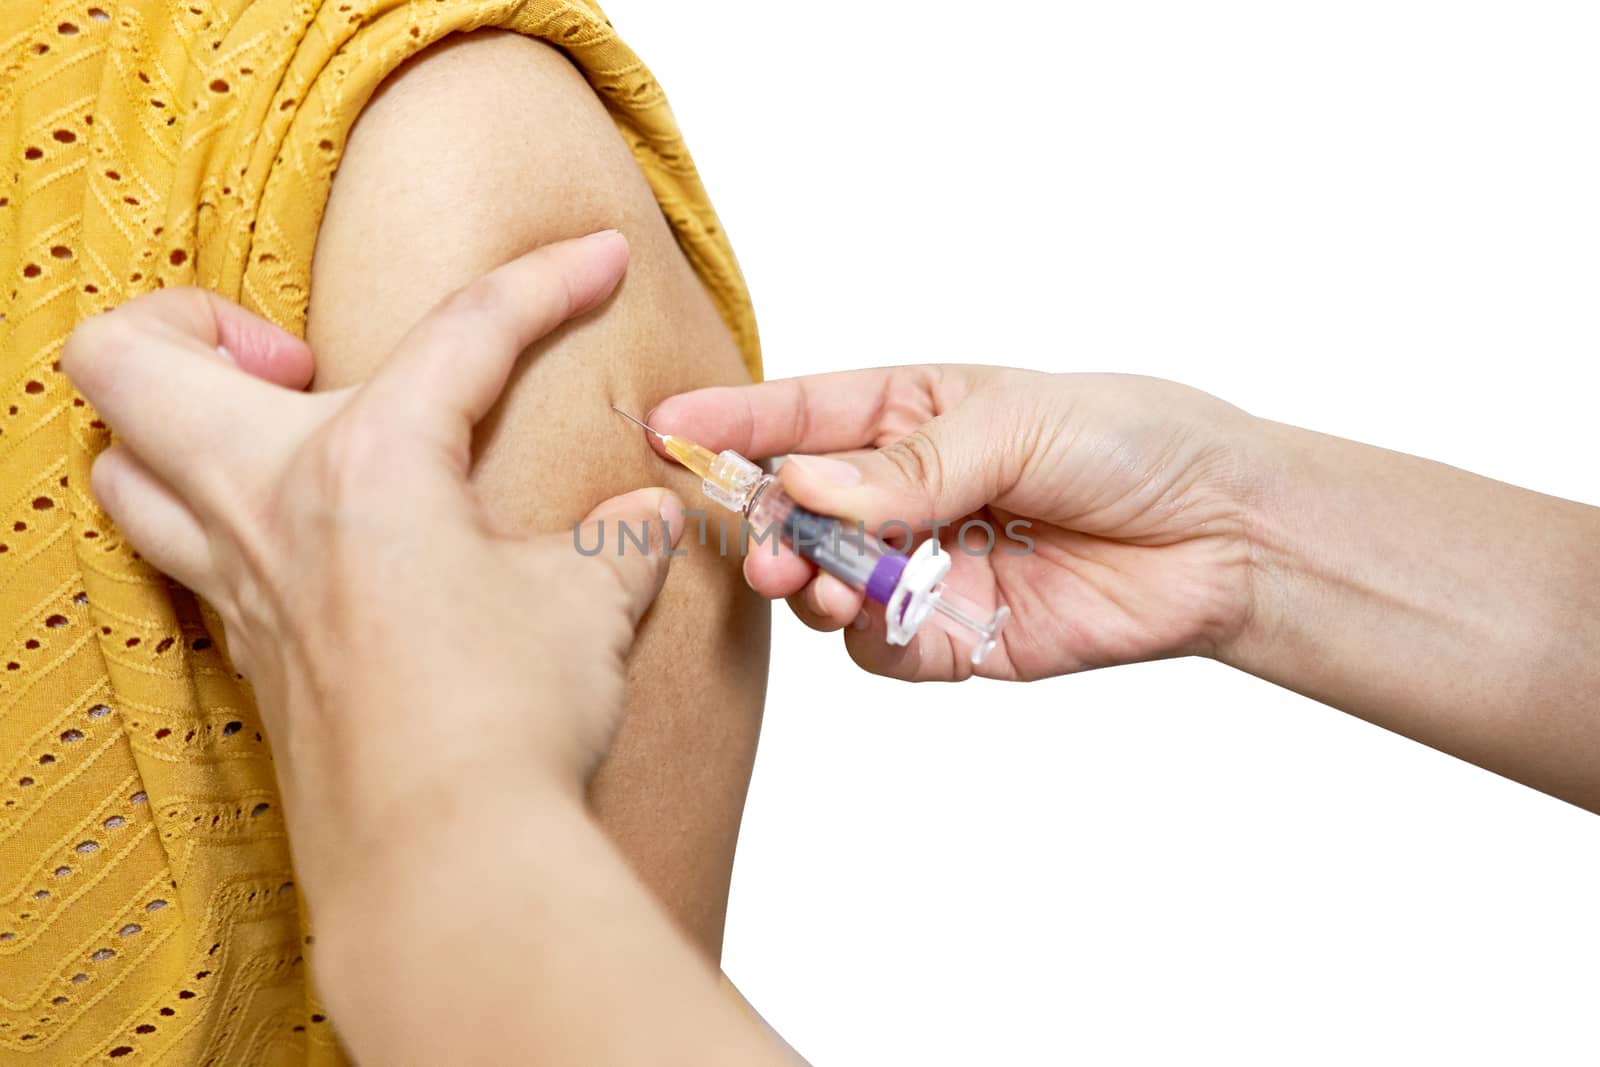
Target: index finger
<point x="151" y="369"/>
<point x="814" y="413"/>
<point x="205" y="322"/>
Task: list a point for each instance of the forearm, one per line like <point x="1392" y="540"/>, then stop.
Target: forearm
<point x="501" y="926"/>
<point x="1459" y="611"/>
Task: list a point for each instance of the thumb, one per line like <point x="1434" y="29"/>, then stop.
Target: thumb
<point x="634" y="534"/>
<point x="948" y="467"/>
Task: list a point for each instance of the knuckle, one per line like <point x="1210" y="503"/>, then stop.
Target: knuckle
<point x="353" y="453"/>
<point x="482" y="296"/>
<point x="609" y="589"/>
<point x="915" y="458"/>
<point x="103" y="482"/>
<point x="95" y="341"/>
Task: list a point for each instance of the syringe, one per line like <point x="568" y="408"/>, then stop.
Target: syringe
<point x="910" y="588"/>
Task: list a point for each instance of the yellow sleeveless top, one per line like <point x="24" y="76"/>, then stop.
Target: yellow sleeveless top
<point x="147" y="906"/>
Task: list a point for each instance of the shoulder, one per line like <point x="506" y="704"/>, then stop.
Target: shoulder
<point x="476" y="124"/>
<point x="478" y="149"/>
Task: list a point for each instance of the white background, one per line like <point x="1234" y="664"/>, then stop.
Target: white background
<point x="1381" y="220"/>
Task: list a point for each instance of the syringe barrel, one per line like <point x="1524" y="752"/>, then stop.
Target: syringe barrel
<point x="844" y="550"/>
<point x="911" y="588"/>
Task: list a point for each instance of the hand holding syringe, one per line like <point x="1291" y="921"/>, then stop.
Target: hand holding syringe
<point x="1127" y="543"/>
<point x="910" y="588"/>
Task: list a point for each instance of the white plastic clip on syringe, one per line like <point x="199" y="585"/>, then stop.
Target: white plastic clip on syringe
<point x="910" y="588"/>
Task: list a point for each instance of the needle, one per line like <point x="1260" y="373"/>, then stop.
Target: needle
<point x="636" y="422"/>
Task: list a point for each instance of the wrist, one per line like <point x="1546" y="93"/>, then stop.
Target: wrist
<point x="378" y="823"/>
<point x="1276" y="470"/>
<point x="371" y="862"/>
<point x="443" y="899"/>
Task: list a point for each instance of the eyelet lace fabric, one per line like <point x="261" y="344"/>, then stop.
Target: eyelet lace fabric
<point x="148" y="911"/>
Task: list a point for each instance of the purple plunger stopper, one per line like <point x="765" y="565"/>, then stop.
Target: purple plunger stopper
<point x="885" y="576"/>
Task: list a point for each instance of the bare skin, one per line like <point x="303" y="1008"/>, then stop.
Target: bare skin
<point x="482" y="148"/>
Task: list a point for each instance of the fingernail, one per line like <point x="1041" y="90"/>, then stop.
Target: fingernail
<point x="225" y="354"/>
<point x="654" y="414"/>
<point x="604" y="235"/>
<point x="814" y="598"/>
<point x="817" y="593"/>
<point x="829" y="471"/>
<point x="861" y="620"/>
<point x="672" y="518"/>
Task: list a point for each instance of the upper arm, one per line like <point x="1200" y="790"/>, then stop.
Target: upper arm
<point x="482" y="148"/>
